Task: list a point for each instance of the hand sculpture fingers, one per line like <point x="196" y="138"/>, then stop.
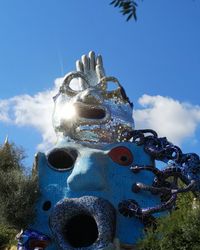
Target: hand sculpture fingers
<point x="85" y="61"/>
<point x="92" y="67"/>
<point x="99" y="67"/>
<point x="92" y="60"/>
<point x="84" y="64"/>
<point x="79" y="66"/>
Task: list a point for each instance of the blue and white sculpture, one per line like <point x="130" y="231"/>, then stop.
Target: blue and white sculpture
<point x="99" y="185"/>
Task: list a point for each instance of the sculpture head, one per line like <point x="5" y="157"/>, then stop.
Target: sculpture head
<point x="99" y="187"/>
<point x="81" y="188"/>
<point x="86" y="176"/>
<point x="88" y="110"/>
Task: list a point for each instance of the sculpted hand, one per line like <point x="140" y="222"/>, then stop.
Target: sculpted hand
<point x="92" y="67"/>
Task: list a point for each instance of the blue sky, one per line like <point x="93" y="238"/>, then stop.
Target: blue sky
<point x="156" y="59"/>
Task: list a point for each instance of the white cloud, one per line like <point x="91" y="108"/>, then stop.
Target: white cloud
<point x="167" y="116"/>
<point x="4" y="108"/>
<point x="35" y="111"/>
<point x="171" y="118"/>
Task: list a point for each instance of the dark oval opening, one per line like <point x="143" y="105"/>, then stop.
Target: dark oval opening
<point x="81" y="231"/>
<point x="62" y="159"/>
<point x="46" y="206"/>
<point x="91" y="113"/>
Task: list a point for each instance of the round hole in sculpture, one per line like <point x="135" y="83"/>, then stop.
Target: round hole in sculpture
<point x="112" y="86"/>
<point x="62" y="159"/>
<point x="46" y="206"/>
<point x="81" y="231"/>
<point x="77" y="84"/>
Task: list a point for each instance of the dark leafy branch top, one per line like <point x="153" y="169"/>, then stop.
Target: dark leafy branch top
<point x="127" y="8"/>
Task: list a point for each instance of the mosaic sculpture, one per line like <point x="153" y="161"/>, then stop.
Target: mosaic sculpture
<point x="99" y="185"/>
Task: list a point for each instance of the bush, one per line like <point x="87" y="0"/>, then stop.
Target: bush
<point x="18" y="196"/>
<point x="18" y="192"/>
<point x="7" y="236"/>
<point x="178" y="231"/>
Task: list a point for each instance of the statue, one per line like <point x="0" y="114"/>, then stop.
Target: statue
<point x="86" y="111"/>
<point x="99" y="185"/>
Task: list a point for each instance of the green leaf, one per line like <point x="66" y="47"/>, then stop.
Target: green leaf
<point x="117" y="3"/>
<point x="112" y="2"/>
<point x="129" y="17"/>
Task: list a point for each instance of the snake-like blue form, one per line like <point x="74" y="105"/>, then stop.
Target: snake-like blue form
<point x="32" y="239"/>
<point x="185" y="167"/>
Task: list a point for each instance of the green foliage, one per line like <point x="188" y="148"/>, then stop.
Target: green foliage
<point x="18" y="192"/>
<point x="7" y="236"/>
<point x="11" y="157"/>
<point x="128" y="8"/>
<point x="18" y="196"/>
<point x="178" y="231"/>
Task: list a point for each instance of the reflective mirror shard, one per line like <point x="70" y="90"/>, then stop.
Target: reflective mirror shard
<point x="87" y="109"/>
